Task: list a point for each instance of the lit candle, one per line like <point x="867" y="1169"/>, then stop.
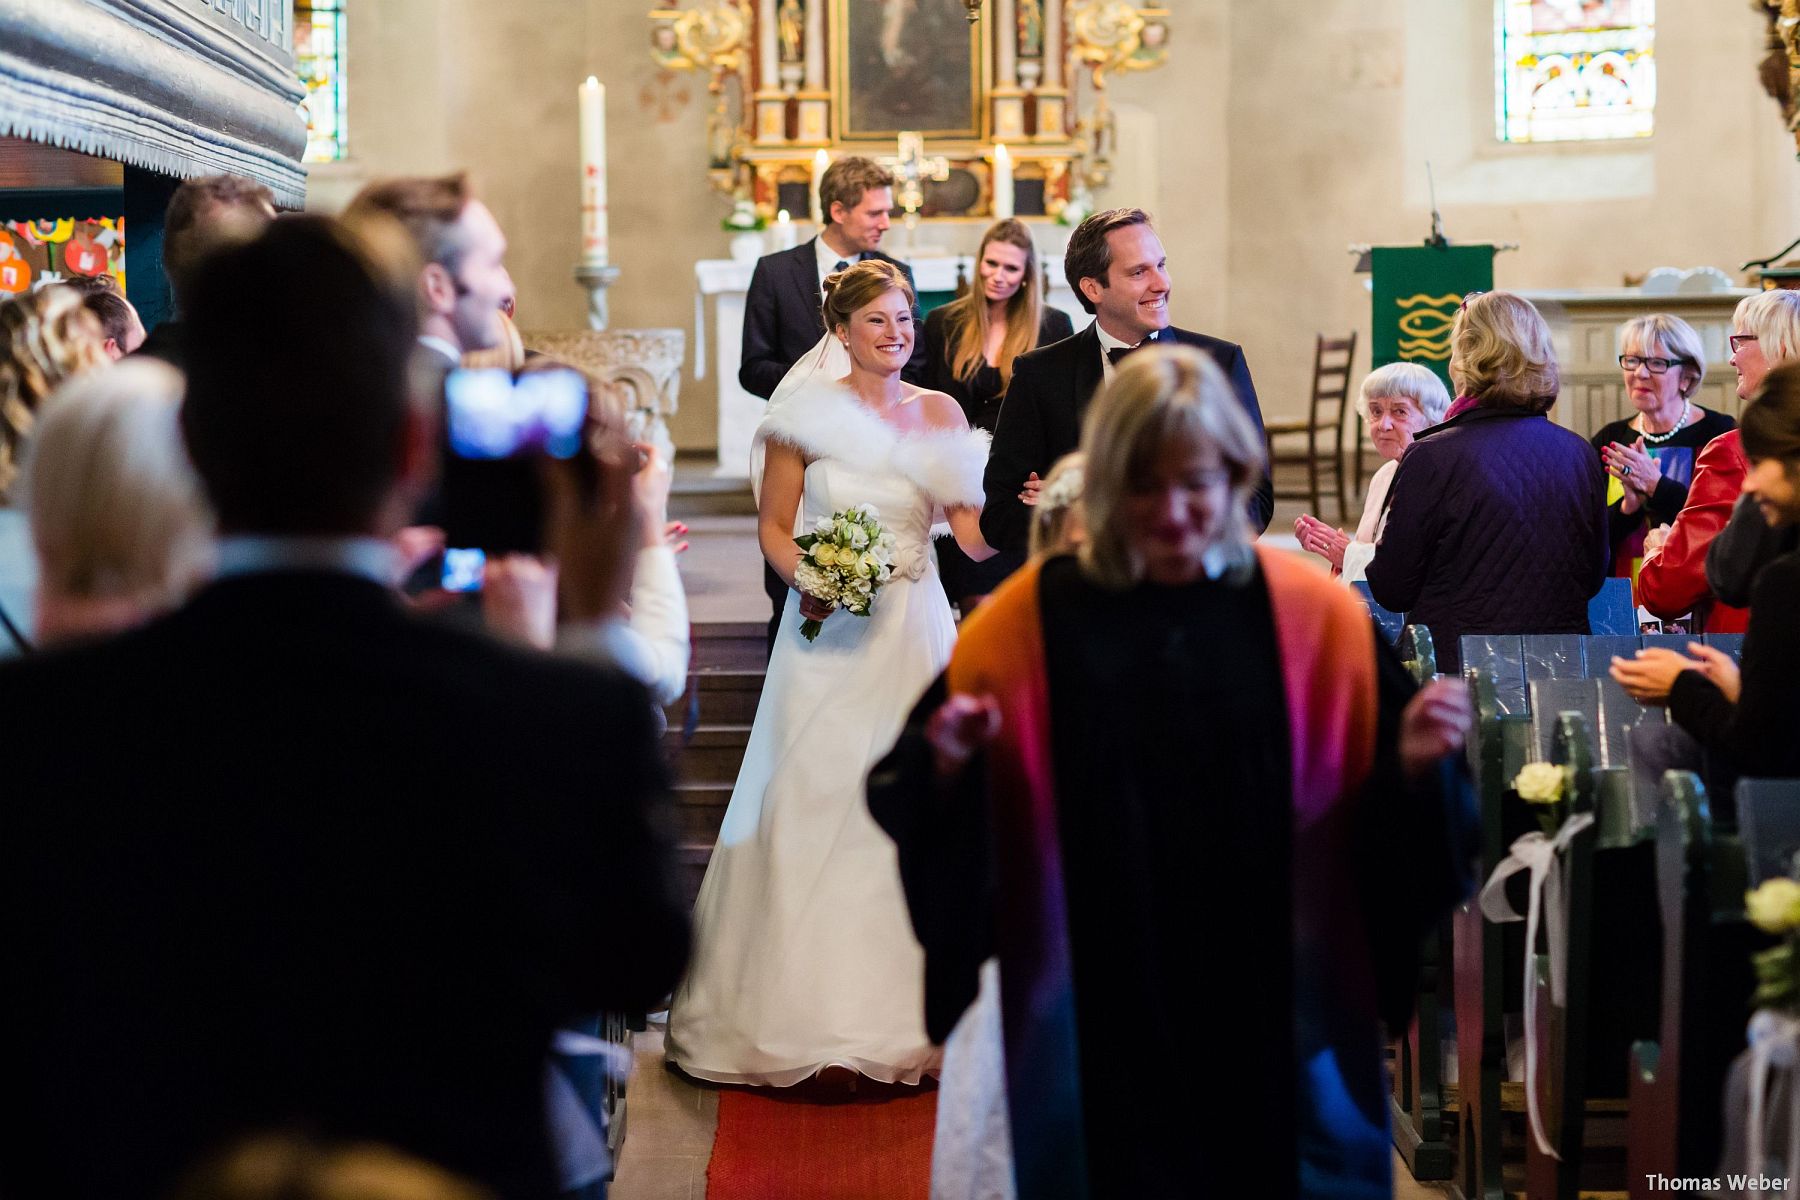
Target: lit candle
<point x="1003" y="182"/>
<point x="821" y="160"/>
<point x="784" y="230"/>
<point x="593" y="173"/>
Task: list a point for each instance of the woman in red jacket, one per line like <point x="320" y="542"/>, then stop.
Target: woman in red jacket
<point x="1765" y="333"/>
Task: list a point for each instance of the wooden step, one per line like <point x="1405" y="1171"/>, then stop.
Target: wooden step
<point x="697" y="491"/>
<point x="726" y="698"/>
<point x="699" y="810"/>
<point x="730" y="646"/>
<point x="714" y="754"/>
<point x="691" y="858"/>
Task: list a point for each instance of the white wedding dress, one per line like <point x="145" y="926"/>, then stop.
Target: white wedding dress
<point x="804" y="956"/>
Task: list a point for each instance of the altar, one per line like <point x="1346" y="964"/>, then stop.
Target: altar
<point x="727" y="280"/>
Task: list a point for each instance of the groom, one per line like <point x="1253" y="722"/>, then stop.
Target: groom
<point x="781" y="313"/>
<point x="1115" y="263"/>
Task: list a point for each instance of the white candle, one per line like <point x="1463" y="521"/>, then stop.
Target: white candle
<point x="821" y="160"/>
<point x="784" y="230"/>
<point x="594" y="250"/>
<point x="1003" y="182"/>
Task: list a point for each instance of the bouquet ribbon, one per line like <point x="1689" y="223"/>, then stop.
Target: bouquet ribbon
<point x="1541" y="856"/>
<point x="1774" y="1049"/>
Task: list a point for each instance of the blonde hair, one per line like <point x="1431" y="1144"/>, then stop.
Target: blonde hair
<point x="1409" y="381"/>
<point x="1500" y="352"/>
<point x="1160" y="396"/>
<point x="1675" y="335"/>
<point x="116" y="511"/>
<point x="966" y="317"/>
<point x="290" y="1167"/>
<point x="1774" y="317"/>
<point x="45" y="338"/>
<point x="855" y="287"/>
<point x="1056" y="519"/>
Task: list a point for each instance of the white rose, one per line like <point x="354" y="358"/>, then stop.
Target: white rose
<point x="822" y="526"/>
<point x="859" y="538"/>
<point x="1774" y="907"/>
<point x="1539" y="783"/>
<point x="823" y="553"/>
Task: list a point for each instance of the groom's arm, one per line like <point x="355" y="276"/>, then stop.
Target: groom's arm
<point x="762" y="365"/>
<point x="1262" y="501"/>
<point x="1019" y="448"/>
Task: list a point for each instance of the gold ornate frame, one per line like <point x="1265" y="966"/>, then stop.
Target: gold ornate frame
<point x="980" y="58"/>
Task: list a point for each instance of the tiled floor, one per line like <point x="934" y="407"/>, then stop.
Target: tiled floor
<point x="670" y="1124"/>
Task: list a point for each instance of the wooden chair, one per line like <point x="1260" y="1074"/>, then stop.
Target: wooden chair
<point x="1323" y="427"/>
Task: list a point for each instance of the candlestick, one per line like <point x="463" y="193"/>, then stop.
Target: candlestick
<point x="1003" y="182"/>
<point x="821" y="160"/>
<point x="594" y="249"/>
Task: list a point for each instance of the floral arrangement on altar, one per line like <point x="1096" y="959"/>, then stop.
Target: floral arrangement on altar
<point x="848" y="556"/>
<point x="1544" y="786"/>
<point x="744" y="218"/>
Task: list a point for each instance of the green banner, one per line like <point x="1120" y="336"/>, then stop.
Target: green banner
<point x="1417" y="292"/>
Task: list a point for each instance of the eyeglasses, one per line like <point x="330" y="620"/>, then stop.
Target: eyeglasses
<point x="1658" y="366"/>
<point x="1737" y="340"/>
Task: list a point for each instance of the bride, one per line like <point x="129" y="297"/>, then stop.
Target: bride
<point x="804" y="957"/>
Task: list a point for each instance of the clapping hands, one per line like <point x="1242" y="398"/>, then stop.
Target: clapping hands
<point x="1322" y="539"/>
<point x="1634" y="467"/>
<point x="1649" y="677"/>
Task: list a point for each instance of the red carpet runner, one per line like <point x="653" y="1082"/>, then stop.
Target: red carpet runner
<point x="774" y="1145"/>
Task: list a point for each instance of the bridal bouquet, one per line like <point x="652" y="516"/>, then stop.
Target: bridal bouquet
<point x="848" y="556"/>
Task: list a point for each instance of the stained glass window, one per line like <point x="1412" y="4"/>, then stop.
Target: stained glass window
<point x="319" y="59"/>
<point x="1574" y="70"/>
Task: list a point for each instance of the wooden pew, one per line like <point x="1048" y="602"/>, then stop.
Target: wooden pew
<point x="1676" y="1081"/>
<point x="1416" y="1105"/>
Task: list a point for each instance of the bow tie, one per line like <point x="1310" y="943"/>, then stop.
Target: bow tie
<point x="1117" y="353"/>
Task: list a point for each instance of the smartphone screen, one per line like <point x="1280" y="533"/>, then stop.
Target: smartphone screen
<point x="497" y="432"/>
<point x="462" y="570"/>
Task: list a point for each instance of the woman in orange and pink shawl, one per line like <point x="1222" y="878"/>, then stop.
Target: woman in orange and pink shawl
<point x="1201" y="816"/>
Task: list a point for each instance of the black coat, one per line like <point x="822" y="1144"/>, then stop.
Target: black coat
<point x="1041" y="421"/>
<point x="1757" y="733"/>
<point x="291" y="859"/>
<point x="978" y="405"/>
<point x="782" y="319"/>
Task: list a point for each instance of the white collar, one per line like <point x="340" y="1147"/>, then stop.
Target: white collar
<point x="829" y="258"/>
<point x="442" y="347"/>
<point x="256" y="553"/>
<point x="1109" y="342"/>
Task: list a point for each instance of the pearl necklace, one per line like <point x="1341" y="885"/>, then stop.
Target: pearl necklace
<point x="1657" y="439"/>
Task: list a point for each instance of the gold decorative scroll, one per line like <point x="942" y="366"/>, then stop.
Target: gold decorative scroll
<point x="1780" y="68"/>
<point x="1115" y="36"/>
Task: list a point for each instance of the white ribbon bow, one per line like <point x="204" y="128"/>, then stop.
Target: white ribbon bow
<point x="1541" y="856"/>
<point x="1774" y="1047"/>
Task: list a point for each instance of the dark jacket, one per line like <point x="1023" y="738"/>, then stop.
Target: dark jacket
<point x="292" y="859"/>
<point x="980" y="397"/>
<point x="1496" y="524"/>
<point x="782" y="319"/>
<point x="1757" y="733"/>
<point x="1743" y="548"/>
<point x="1041" y="421"/>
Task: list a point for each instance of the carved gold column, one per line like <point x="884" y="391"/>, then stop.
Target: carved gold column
<point x="815" y="101"/>
<point x="771" y="104"/>
<point x="1052" y="97"/>
<point x="1009" y="101"/>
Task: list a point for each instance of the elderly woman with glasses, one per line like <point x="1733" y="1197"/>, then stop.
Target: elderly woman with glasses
<point x="1198" y="752"/>
<point x="1397" y="402"/>
<point x="1497" y="517"/>
<point x="1650" y="455"/>
<point x="1678" y="570"/>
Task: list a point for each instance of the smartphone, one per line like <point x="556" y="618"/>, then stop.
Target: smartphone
<point x="462" y="570"/>
<point x="498" y="430"/>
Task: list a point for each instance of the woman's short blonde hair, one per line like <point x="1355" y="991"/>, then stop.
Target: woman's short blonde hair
<point x="1774" y="317"/>
<point x="45" y="337"/>
<point x="1408" y="381"/>
<point x="1158" y="397"/>
<point x="1057" y="513"/>
<point x="116" y="511"/>
<point x="1501" y="353"/>
<point x="1675" y="335"/>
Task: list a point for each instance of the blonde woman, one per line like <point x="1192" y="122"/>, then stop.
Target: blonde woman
<point x="1131" y="698"/>
<point x="971" y="344"/>
<point x="45" y="338"/>
<point x="121" y="530"/>
<point x="1497" y="521"/>
<point x="803" y="958"/>
<point x="1397" y="402"/>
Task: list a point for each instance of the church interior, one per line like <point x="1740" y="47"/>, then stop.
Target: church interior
<point x="1329" y="180"/>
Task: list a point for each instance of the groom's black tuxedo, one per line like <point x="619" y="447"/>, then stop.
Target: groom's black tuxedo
<point x="782" y="320"/>
<point x="1040" y="422"/>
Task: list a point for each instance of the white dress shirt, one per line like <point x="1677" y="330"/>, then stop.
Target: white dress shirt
<point x="829" y="259"/>
<point x="652" y="645"/>
<point x="1109" y="343"/>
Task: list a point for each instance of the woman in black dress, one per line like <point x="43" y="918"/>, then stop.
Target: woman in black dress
<point x="970" y="346"/>
<point x="1650" y="455"/>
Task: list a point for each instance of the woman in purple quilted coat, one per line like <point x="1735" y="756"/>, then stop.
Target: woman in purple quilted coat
<point x="1497" y="517"/>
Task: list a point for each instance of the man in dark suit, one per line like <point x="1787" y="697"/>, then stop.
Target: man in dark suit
<point x="1115" y="263"/>
<point x="782" y="321"/>
<point x="204" y="215"/>
<point x="289" y="859"/>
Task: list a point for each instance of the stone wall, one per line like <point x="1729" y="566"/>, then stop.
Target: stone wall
<point x="1281" y="132"/>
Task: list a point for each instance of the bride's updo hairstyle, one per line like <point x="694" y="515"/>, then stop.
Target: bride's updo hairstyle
<point x="858" y="286"/>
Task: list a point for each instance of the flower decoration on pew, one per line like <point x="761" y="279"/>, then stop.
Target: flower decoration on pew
<point x="848" y="557"/>
<point x="1544" y="785"/>
<point x="1774" y="907"/>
